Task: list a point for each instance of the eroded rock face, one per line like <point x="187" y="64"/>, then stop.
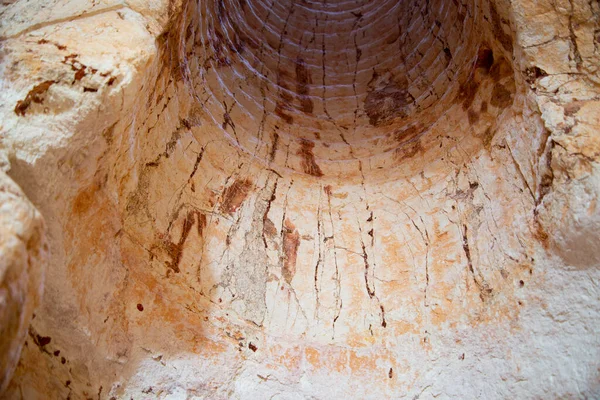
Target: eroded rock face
<point x="23" y="257"/>
<point x="255" y="199"/>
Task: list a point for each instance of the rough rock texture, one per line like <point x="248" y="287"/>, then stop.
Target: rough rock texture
<point x="23" y="257"/>
<point x="308" y="199"/>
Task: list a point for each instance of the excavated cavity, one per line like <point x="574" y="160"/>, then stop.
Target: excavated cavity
<point x="255" y="199"/>
<point x="341" y="88"/>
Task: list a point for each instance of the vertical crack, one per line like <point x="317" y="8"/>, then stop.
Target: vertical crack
<point x="338" y="299"/>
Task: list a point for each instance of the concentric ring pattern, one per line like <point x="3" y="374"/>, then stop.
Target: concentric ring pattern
<point x="306" y="84"/>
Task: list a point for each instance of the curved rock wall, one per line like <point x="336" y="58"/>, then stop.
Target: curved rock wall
<point x="308" y="199"/>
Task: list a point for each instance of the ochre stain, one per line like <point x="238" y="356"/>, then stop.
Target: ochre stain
<point x="541" y="235"/>
<point x="269" y="228"/>
<point x="285" y="98"/>
<point x="468" y="91"/>
<point x="498" y="30"/>
<point x="501" y="97"/>
<point x="84" y="199"/>
<point x="473" y="116"/>
<point x="309" y="165"/>
<point x="328" y="358"/>
<point x="186" y="327"/>
<point x="487" y="137"/>
<point x="201" y="223"/>
<point x="360" y="364"/>
<point x="175" y="250"/>
<point x="313" y="356"/>
<point x="275" y="142"/>
<point x="90" y="229"/>
<point x="408" y="150"/>
<point x="303" y="79"/>
<point x="500" y="70"/>
<point x="291" y="242"/>
<point x="35" y="95"/>
<point x="291" y="358"/>
<point x="234" y="195"/>
<point x="405" y="135"/>
<point x="485" y="58"/>
<point x="388" y="103"/>
<point x="486" y="66"/>
<point x="484" y="107"/>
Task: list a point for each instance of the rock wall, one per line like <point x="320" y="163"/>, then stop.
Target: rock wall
<point x="23" y="256"/>
<point x="303" y="199"/>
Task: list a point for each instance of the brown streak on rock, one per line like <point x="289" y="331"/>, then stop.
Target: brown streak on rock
<point x="168" y="44"/>
<point x="408" y="134"/>
<point x="484" y="107"/>
<point x="303" y="79"/>
<point x="291" y="242"/>
<point x="501" y="69"/>
<point x="487" y="137"/>
<point x="268" y="226"/>
<point x="309" y="165"/>
<point x="501" y="97"/>
<point x="201" y="223"/>
<point x="408" y="150"/>
<point x="275" y="142"/>
<point x="285" y="98"/>
<point x="175" y="250"/>
<point x="498" y="31"/>
<point x="234" y="195"/>
<point x="35" y="95"/>
<point x="541" y="235"/>
<point x="484" y="290"/>
<point x="468" y="90"/>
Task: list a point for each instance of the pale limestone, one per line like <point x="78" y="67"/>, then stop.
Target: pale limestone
<point x="23" y="257"/>
<point x="249" y="200"/>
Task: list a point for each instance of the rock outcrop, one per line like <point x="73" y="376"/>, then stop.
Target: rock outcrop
<point x="301" y="199"/>
<point x="23" y="258"/>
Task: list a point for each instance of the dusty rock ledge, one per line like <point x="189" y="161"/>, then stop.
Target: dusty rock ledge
<point x="297" y="199"/>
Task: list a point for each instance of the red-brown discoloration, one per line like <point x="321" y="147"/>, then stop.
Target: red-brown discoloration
<point x="303" y="79"/>
<point x="467" y="93"/>
<point x="285" y="98"/>
<point x="501" y="97"/>
<point x="485" y="58"/>
<point x="234" y="195"/>
<point x="84" y="199"/>
<point x="309" y="165"/>
<point x="35" y="95"/>
<point x="291" y="242"/>
<point x="269" y="228"/>
<point x="408" y="134"/>
<point x="408" y="150"/>
<point x="385" y="105"/>
<point x="175" y="250"/>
